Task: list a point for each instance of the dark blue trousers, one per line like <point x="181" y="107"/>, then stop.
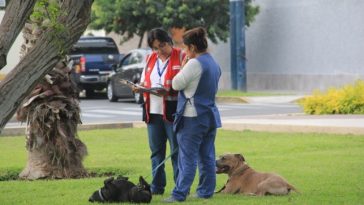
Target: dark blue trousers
<point x="158" y="132"/>
<point x="196" y="144"/>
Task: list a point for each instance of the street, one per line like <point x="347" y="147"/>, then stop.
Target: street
<point x="94" y="111"/>
<point x="103" y="111"/>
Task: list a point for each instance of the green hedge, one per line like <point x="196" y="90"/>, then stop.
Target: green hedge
<point x="346" y="100"/>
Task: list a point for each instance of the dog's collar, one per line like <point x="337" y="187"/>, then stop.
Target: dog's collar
<point x="100" y="195"/>
<point x="241" y="170"/>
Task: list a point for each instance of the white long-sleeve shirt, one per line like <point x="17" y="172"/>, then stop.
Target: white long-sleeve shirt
<point x="187" y="80"/>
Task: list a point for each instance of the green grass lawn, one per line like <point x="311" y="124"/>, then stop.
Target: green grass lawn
<point x="327" y="169"/>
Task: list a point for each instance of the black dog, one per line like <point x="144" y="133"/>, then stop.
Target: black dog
<point x="122" y="190"/>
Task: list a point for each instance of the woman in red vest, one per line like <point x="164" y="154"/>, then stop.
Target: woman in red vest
<point x="162" y="65"/>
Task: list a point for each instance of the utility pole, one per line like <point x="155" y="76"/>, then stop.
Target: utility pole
<point x="237" y="44"/>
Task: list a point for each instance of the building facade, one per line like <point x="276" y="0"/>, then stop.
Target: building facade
<point x="295" y="46"/>
<point x="305" y="45"/>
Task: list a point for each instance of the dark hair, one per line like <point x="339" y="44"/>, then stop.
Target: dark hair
<point x="196" y="37"/>
<point x="160" y="35"/>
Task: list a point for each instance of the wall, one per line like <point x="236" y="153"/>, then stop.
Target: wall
<point x="304" y="45"/>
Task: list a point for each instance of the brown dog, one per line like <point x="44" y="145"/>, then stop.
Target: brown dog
<point x="245" y="180"/>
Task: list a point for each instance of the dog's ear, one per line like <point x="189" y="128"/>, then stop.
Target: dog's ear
<point x="142" y="180"/>
<point x="240" y="157"/>
<point x="143" y="184"/>
<point x="108" y="180"/>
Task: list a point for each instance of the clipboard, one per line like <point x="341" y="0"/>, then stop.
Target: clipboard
<point x="154" y="90"/>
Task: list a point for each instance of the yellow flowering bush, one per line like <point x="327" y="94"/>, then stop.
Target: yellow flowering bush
<point x="2" y="76"/>
<point x="346" y="100"/>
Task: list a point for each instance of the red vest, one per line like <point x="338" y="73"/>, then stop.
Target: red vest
<point x="174" y="66"/>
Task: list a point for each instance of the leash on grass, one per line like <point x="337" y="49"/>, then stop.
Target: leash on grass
<point x="169" y="156"/>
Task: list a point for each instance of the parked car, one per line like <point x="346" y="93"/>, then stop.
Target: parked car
<point x="130" y="68"/>
<point x="93" y="58"/>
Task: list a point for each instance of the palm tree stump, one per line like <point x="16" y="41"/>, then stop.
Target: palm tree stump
<point x="52" y="114"/>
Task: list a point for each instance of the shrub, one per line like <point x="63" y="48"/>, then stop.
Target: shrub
<point x="346" y="100"/>
<point x="9" y="174"/>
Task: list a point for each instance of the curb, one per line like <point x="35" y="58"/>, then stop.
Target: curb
<point x="16" y="131"/>
<point x="20" y="131"/>
<point x="231" y="100"/>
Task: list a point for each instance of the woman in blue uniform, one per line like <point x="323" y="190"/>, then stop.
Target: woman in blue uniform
<point x="197" y="117"/>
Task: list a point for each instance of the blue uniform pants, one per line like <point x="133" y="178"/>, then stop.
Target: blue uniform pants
<point x="158" y="132"/>
<point x="196" y="148"/>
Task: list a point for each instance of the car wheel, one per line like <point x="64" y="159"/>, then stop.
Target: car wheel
<point x="110" y="93"/>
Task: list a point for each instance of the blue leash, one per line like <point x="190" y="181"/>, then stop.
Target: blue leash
<point x="169" y="156"/>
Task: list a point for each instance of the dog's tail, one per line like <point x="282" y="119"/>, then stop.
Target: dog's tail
<point x="292" y="188"/>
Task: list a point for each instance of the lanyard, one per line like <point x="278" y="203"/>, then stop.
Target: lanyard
<point x="160" y="72"/>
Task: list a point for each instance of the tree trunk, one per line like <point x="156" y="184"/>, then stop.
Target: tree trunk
<point x="51" y="110"/>
<point x="141" y="40"/>
<point x="17" y="12"/>
<point x="42" y="58"/>
<point x="52" y="114"/>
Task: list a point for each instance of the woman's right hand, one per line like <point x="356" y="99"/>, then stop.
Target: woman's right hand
<point x="136" y="89"/>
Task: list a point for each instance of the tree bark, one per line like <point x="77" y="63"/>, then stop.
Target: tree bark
<point x="16" y="13"/>
<point x="43" y="57"/>
<point x="52" y="114"/>
<point x="141" y="40"/>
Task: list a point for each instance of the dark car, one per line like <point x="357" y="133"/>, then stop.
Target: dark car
<point x="93" y="58"/>
<point x="130" y="68"/>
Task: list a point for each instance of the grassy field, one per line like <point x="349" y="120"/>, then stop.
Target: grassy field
<point x="327" y="169"/>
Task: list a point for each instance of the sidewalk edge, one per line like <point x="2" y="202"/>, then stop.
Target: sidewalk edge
<point x="20" y="131"/>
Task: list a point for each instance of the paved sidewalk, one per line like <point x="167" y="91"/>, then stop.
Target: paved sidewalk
<point x="274" y="99"/>
<point x="334" y="124"/>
